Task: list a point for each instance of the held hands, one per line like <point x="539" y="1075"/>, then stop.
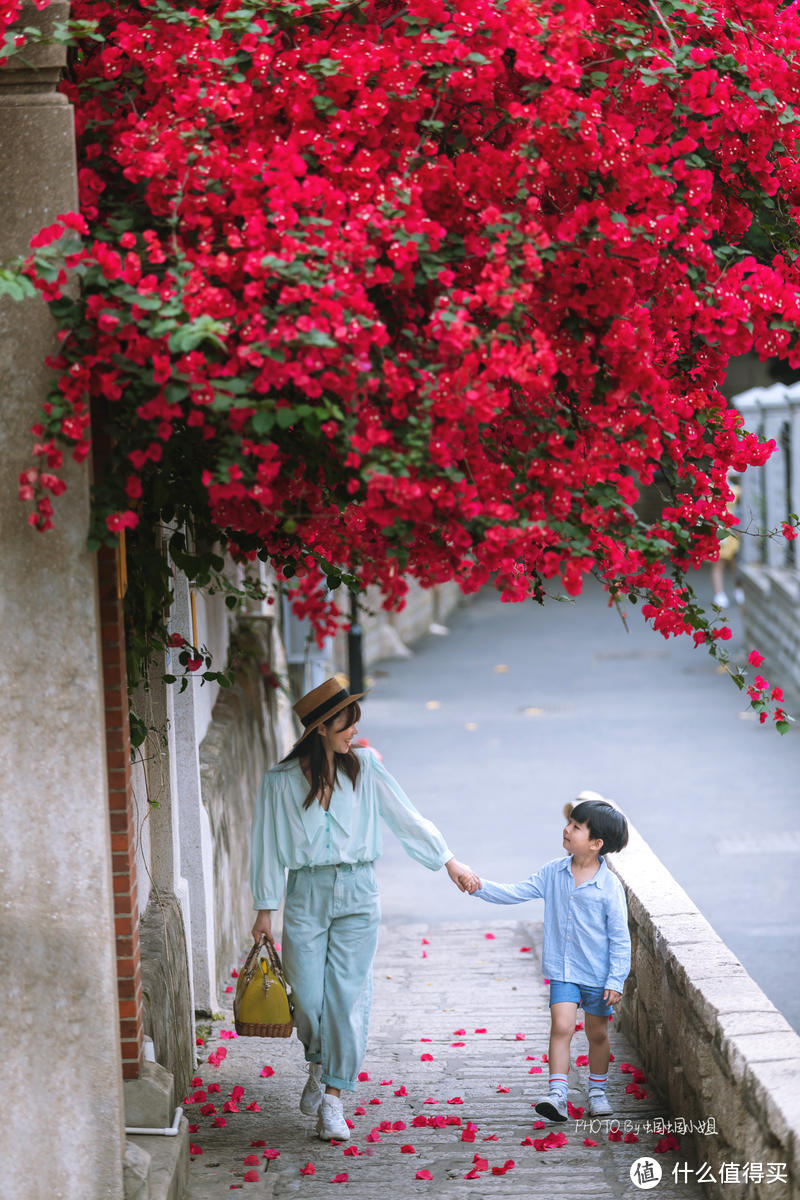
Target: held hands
<point x="263" y="925"/>
<point x="462" y="876"/>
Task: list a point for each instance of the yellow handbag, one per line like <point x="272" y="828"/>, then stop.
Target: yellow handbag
<point x="261" y="1006"/>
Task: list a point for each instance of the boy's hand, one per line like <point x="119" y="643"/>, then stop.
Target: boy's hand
<point x="612" y="997"/>
<point x="461" y="875"/>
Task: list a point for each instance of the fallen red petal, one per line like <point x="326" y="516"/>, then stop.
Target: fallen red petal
<point x="407" y="1149"/>
<point x="251" y="1176"/>
<point x="424" y="1174"/>
<point x="589" y="1142"/>
<point x="308" y="1169"/>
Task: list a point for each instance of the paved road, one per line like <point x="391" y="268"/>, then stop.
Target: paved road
<point x="492" y="728"/>
<point x="458" y="1034"/>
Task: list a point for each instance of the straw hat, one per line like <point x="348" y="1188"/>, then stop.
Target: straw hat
<point x="322" y="703"/>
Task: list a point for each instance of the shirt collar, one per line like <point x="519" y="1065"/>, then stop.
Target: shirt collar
<point x="600" y="879"/>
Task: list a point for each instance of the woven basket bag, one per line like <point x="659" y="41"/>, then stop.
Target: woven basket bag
<point x="261" y="1006"/>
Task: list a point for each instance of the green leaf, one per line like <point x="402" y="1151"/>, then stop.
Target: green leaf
<point x="263" y="421"/>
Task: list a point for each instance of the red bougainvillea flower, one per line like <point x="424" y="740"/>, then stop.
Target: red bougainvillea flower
<point x="588" y="1142"/>
<point x="453" y="307"/>
<point x="423" y="1174"/>
<point x="426" y="1058"/>
<point x="665" y="1144"/>
<point x="308" y="1169"/>
<point x="251" y="1176"/>
<point x="267" y="1072"/>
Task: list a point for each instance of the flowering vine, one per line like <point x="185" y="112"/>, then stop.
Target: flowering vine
<point x="390" y="288"/>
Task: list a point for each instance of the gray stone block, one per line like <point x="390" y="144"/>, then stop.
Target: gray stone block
<point x="136" y="1172"/>
<point x="149" y="1100"/>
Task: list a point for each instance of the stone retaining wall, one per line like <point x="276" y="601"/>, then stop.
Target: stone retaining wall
<point x="772" y="619"/>
<point x="709" y="1039"/>
<point x="249" y="731"/>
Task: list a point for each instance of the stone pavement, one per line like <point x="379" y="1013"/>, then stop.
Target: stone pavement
<point x="478" y="1007"/>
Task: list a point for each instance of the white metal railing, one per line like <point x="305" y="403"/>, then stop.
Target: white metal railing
<point x="771" y="492"/>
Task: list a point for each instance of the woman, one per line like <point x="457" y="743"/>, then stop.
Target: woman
<point x="318" y="814"/>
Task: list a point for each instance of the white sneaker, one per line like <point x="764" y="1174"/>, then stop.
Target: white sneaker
<point x="721" y="600"/>
<point x="554" y="1107"/>
<point x="313" y="1091"/>
<point x="598" y="1103"/>
<point x="331" y="1122"/>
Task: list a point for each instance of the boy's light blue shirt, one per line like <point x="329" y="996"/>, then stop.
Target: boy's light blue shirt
<point x="586" y="938"/>
<point x="287" y="835"/>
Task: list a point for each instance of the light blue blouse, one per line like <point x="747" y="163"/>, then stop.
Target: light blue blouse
<point x="586" y="938"/>
<point x="287" y="835"/>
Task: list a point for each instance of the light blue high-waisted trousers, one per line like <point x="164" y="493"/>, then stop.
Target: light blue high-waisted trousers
<point x="330" y="934"/>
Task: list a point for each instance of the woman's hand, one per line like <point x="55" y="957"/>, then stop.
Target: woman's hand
<point x="462" y="876"/>
<point x="263" y="925"/>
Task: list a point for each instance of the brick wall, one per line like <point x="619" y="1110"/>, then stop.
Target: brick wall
<point x="123" y="833"/>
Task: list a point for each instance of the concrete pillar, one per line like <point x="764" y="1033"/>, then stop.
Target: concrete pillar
<point x="196" y="844"/>
<point x="60" y="1066"/>
<point x="165" y="820"/>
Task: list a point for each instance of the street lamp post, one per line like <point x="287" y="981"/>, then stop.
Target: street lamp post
<point x="355" y="660"/>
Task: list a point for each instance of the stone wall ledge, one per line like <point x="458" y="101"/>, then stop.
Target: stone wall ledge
<point x="711" y="1041"/>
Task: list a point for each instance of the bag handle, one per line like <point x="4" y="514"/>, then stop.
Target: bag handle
<point x="274" y="959"/>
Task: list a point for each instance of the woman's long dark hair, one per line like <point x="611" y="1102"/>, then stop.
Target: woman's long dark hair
<point x="311" y="751"/>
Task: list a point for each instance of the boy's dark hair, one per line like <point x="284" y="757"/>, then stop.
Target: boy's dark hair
<point x="604" y="822"/>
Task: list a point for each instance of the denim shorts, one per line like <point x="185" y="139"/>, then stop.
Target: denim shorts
<point x="590" y="999"/>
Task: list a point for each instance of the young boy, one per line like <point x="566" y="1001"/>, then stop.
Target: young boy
<point x="587" y="947"/>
